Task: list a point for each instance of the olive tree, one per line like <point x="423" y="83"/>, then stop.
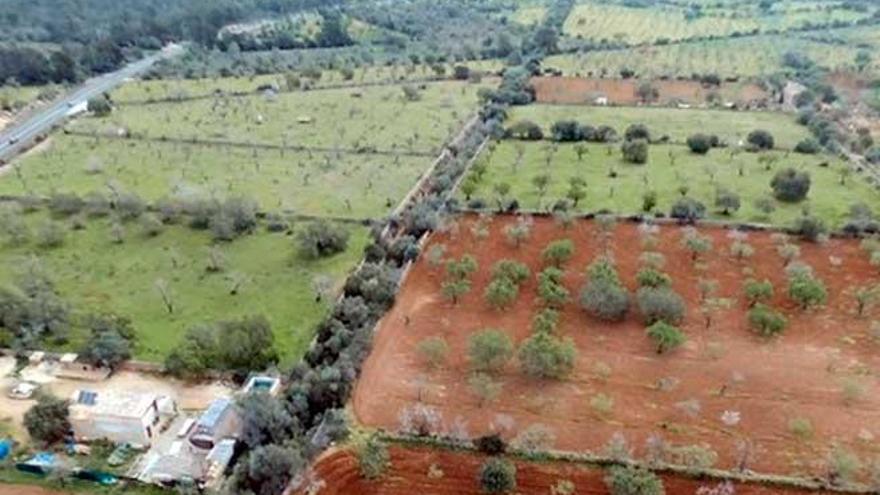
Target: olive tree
<point x="501" y="292"/>
<point x="48" y="421"/>
<point x="790" y="185"/>
<point x="661" y="304"/>
<point x="699" y="143"/>
<point x="604" y="296"/>
<point x="497" y="475"/>
<point x="807" y="290"/>
<point x="665" y="336"/>
<point x="489" y="350"/>
<point x="518" y="233"/>
<point x="550" y="288"/>
<point x="558" y="252"/>
<point x="757" y="291"/>
<point x="486" y="388"/>
<point x="628" y="480"/>
<point x="697" y="244"/>
<point x="766" y="321"/>
<point x="544" y="356"/>
<point x="727" y="200"/>
<point x="760" y="139"/>
<point x="322" y="239"/>
<point x="635" y="151"/>
<point x="433" y="351"/>
<point x="372" y="455"/>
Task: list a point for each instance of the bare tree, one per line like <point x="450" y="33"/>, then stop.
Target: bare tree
<point x="166" y="293"/>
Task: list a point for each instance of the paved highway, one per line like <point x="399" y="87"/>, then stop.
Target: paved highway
<point x="18" y="136"/>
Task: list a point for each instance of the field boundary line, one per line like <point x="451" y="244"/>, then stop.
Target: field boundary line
<point x="652" y="220"/>
<point x="246" y="145"/>
<point x="596" y="460"/>
<point x="445" y="154"/>
<point x="670" y="142"/>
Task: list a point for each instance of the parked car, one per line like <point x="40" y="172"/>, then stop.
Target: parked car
<point x="22" y="391"/>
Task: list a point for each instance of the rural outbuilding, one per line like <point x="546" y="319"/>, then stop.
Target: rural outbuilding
<point x="119" y="417"/>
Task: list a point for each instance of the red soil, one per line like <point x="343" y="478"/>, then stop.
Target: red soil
<point x="27" y="490"/>
<point x="456" y="473"/>
<point x="725" y="368"/>
<point x="623" y="91"/>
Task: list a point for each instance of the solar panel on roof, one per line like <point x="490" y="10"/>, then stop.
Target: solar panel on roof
<point x="87" y="397"/>
<point x="215" y="411"/>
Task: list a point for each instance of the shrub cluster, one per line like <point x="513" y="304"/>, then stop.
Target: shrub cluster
<point x="507" y="278"/>
<point x="604" y="296"/>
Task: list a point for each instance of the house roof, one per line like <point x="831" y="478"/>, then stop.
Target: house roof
<point x="210" y="418"/>
<point x="118" y="404"/>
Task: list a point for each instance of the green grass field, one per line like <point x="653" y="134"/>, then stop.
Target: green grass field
<point x="350" y="185"/>
<point x="738" y="57"/>
<point x="623" y="194"/>
<point x="730" y="126"/>
<point x="601" y="21"/>
<point x="380" y="117"/>
<point x="156" y="89"/>
<point x="94" y="274"/>
<point x="530" y="15"/>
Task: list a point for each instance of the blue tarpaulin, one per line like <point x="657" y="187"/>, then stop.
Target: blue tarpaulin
<point x="5" y="448"/>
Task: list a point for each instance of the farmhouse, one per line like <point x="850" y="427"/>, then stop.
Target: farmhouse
<point x="119" y="417"/>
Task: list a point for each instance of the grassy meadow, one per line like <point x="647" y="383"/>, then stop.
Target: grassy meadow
<point x="158" y="89"/>
<point x="95" y="274"/>
<point x="349" y="185"/>
<point x="730" y="126"/>
<point x="372" y="117"/>
<point x="669" y="168"/>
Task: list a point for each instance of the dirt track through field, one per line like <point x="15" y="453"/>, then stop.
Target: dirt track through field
<point x="438" y="472"/>
<point x="720" y="372"/>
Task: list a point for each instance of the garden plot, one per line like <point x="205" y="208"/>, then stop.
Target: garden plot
<point x="383" y="118"/>
<point x="669" y="169"/>
<point x="796" y="402"/>
<point x="99" y="268"/>
<point x="736" y="57"/>
<point x="350" y="185"/>
<point x="730" y="126"/>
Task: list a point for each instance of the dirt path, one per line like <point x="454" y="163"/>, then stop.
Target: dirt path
<point x="803" y="376"/>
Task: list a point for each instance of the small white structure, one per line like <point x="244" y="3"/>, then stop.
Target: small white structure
<point x="601" y="101"/>
<point x="261" y="383"/>
<point x="69" y="366"/>
<point x="119" y="417"/>
<point x="218" y="460"/>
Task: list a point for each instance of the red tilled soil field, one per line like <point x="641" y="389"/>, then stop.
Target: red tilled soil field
<point x="28" y="490"/>
<point x="822" y="371"/>
<point x="436" y="472"/>
<point x="573" y="90"/>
